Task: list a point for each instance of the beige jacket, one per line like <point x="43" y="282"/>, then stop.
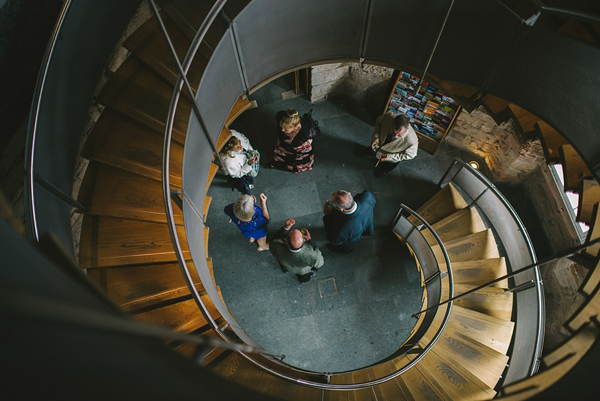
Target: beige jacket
<point x="403" y="148"/>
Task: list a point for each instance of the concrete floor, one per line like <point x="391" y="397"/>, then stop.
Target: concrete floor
<point x="357" y="309"/>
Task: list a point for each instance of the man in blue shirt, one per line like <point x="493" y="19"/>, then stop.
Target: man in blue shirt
<point x="347" y="218"/>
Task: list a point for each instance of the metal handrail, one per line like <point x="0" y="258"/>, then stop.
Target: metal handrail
<point x="166" y="178"/>
<point x="424" y="351"/>
<point x="523" y="230"/>
<point x="33" y="121"/>
<point x="559" y="11"/>
<point x="181" y="80"/>
<point x="563" y="12"/>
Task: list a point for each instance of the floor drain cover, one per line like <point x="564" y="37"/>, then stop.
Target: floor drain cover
<point x="327" y="287"/>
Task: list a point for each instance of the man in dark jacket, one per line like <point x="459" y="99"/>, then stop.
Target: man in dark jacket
<point x="348" y="218"/>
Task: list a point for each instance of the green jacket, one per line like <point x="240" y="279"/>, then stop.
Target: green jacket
<point x="300" y="262"/>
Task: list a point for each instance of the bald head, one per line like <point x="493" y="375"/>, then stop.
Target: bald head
<point x="296" y="239"/>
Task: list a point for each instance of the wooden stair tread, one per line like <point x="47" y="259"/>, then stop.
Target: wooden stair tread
<point x="206" y="208"/>
<point x="589" y="196"/>
<point x="184" y="316"/>
<point x="223" y="138"/>
<point x="478" y="272"/>
<point x="551" y="140"/>
<point x="483" y="362"/>
<point x="206" y="234"/>
<point x="121" y="142"/>
<point x="111" y="191"/>
<point x="212" y="274"/>
<point x="148" y="43"/>
<point x="140" y="94"/>
<point x="524" y="119"/>
<point x="456" y="381"/>
<point x="139" y="286"/>
<point x="592" y="281"/>
<point x="391" y="389"/>
<point x="441" y="205"/>
<point x="488" y="330"/>
<point x="108" y="241"/>
<point x="477" y="246"/>
<point x="418" y="387"/>
<point x="459" y="224"/>
<point x="593" y="233"/>
<point x="590" y="309"/>
<point x="212" y="354"/>
<point x="366" y="394"/>
<point x="574" y="28"/>
<point x="188" y="16"/>
<point x="494" y="103"/>
<point x="212" y="172"/>
<point x="573" y="166"/>
<point x="491" y="301"/>
<point x="343" y="378"/>
<point x="577" y="346"/>
<point x="241" y="104"/>
<point x="248" y="375"/>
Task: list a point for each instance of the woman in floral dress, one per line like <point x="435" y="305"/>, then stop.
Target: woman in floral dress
<point x="293" y="149"/>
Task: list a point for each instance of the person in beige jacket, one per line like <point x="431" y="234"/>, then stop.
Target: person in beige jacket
<point x="393" y="141"/>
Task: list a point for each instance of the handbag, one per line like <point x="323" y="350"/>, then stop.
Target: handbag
<point x="311" y="124"/>
<point x="249" y="155"/>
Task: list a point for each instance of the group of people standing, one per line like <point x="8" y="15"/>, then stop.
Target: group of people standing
<point x="346" y="218"/>
<point x="293" y="152"/>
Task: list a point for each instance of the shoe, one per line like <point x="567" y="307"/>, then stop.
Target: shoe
<point x="262" y="249"/>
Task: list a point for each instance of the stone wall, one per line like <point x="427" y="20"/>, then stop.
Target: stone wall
<point x="367" y="84"/>
<point x="562" y="278"/>
<point x="509" y="158"/>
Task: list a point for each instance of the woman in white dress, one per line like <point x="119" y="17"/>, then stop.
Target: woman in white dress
<point x="240" y="161"/>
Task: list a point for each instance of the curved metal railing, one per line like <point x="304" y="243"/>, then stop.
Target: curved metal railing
<point x="31" y="143"/>
<point x="521" y="228"/>
<point x="33" y="121"/>
<point x="180" y="82"/>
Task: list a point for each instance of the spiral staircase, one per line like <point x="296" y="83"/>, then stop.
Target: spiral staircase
<point x="126" y="245"/>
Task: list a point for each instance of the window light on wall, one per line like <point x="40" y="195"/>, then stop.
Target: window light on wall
<point x="571" y="198"/>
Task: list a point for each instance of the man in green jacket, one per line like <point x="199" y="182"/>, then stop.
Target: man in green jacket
<point x="295" y="251"/>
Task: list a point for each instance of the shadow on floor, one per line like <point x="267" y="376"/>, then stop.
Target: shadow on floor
<point x="357" y="309"/>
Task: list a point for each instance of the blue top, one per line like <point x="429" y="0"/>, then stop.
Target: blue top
<point x="255" y="228"/>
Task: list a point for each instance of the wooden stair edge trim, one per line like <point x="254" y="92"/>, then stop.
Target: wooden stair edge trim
<point x="586" y="331"/>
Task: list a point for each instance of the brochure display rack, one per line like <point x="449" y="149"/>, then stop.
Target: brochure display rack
<point x="431" y="112"/>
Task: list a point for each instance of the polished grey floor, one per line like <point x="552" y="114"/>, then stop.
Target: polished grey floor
<point x="357" y="309"/>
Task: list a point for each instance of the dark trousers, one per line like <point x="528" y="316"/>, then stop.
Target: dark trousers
<point x="346" y="247"/>
<point x="385" y="167"/>
<point x="242" y="184"/>
<point x="303" y="278"/>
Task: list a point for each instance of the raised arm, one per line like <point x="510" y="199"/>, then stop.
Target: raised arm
<point x="263" y="206"/>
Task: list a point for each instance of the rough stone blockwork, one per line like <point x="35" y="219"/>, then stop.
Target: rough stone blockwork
<point x="509" y="158"/>
<point x="367" y="83"/>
